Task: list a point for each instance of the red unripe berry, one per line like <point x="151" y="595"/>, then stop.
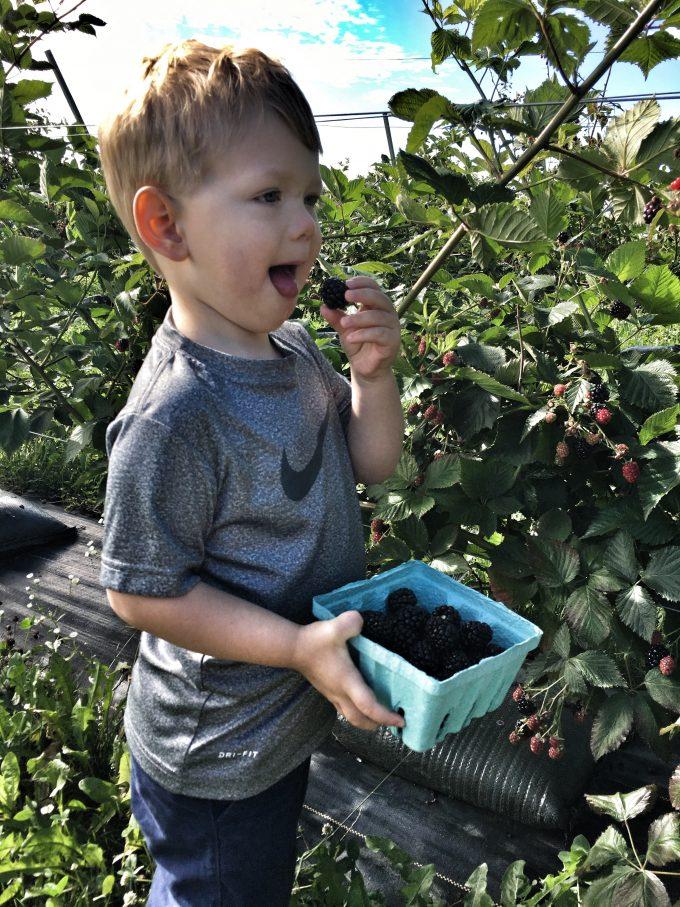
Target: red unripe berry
<point x="675" y="185"/>
<point x="514" y="738"/>
<point x="422" y="346"/>
<point x="518" y="693"/>
<point x="554" y="741"/>
<point x="433" y="414"/>
<point x="631" y="471"/>
<point x="450" y="358"/>
<point x="562" y="450"/>
<point x="550" y="417"/>
<point x="555" y="752"/>
<point x="593" y="438"/>
<point x="376" y="536"/>
<point x="413" y="409"/>
<point x="378" y="525"/>
<point x="536" y="744"/>
<point x="603" y="416"/>
<point x="620" y="451"/>
<point x="533" y="723"/>
<point x="667" y="665"/>
<point x="559" y="390"/>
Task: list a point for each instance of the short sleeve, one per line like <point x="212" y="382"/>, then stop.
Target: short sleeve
<point x="160" y="498"/>
<point x="340" y="387"/>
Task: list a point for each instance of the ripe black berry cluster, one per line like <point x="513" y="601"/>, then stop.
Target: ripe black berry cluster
<point x="333" y="293"/>
<point x="619" y="310"/>
<point x="440" y="642"/>
<point x="651" y="208"/>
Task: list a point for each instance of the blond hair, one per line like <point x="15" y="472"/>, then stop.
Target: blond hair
<point x="189" y="103"/>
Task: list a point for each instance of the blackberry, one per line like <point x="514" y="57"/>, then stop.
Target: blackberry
<point x="581" y="448"/>
<point x="619" y="309"/>
<point x="377" y="627"/>
<point x="493" y="649"/>
<point x="651" y="209"/>
<point x="446" y="612"/>
<point x="655" y="654"/>
<point x="526" y="706"/>
<point x="333" y="293"/>
<point x="475" y="635"/>
<point x="456" y="662"/>
<point x="423" y="656"/>
<point x="562" y="237"/>
<point x="599" y="393"/>
<point x="408" y="625"/>
<point x="444" y="635"/>
<point x="595" y="378"/>
<point x="399" y="597"/>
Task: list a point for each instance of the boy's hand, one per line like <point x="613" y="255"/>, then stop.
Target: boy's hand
<point x="371" y="337"/>
<point x="323" y="658"/>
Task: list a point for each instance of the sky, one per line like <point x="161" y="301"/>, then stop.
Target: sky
<point x="347" y="55"/>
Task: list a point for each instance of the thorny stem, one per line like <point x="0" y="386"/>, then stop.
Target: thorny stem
<point x="46" y="378"/>
<point x="612" y="174"/>
<point x="545" y="31"/>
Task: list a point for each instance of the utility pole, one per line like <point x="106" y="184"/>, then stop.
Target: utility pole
<point x="386" y="121"/>
<point x="64" y="87"/>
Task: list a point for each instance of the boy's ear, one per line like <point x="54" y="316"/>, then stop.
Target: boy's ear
<point x="154" y="213"/>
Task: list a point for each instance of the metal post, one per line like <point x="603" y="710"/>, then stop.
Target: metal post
<point x="386" y="121"/>
<point x="64" y="87"/>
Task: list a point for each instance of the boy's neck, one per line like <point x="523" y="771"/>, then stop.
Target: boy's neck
<point x="198" y="332"/>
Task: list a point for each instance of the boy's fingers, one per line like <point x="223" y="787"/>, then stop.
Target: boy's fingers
<point x="364" y="700"/>
<point x="357" y="719"/>
<point x="369" y="297"/>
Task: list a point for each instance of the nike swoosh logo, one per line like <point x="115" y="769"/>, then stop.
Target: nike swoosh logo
<point x="297" y="483"/>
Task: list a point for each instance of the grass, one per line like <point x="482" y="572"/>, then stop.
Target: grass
<point x="38" y="468"/>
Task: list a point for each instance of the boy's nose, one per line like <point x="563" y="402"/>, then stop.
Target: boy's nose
<point x="304" y="223"/>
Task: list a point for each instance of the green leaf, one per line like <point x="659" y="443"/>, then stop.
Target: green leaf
<point x="512" y="883"/>
<point x="490" y="385"/>
<point x="660" y="423"/>
<point x="664" y="840"/>
<point x="661" y="473"/>
<point x="10" y="777"/>
<point x="550" y="212"/>
<point x="392" y="507"/>
<point x="28" y="90"/>
<point x="606" y="892"/>
<point x="657" y="150"/>
<point x="609" y="12"/>
<point x="637" y="611"/>
<point x="98" y="790"/>
<point x="562" y="641"/>
<point x="626" y="132"/>
<point x="645" y="722"/>
<point x="17" y="249"/>
<point x="14" y="429"/>
<point x="608" y="848"/>
<point x="80" y="438"/>
<point x="554" y="524"/>
<point x="663" y="573"/>
<point x="425" y="118"/>
<point x="644" y="889"/>
<point x="539" y="116"/>
<point x="612" y="724"/>
<point x="614" y="514"/>
<point x="598" y="669"/>
<point x="477" y="896"/>
<point x="619" y="556"/>
<point x="454" y="187"/>
<point x="450" y="564"/>
<point x="664" y="690"/>
<point x="503" y="21"/>
<point x="17" y="214"/>
<point x="674" y="788"/>
<point x="588" y="613"/>
<point x="657" y="289"/>
<point x="627" y="261"/>
<point x="442" y="473"/>
<point x="443" y="539"/>
<point x="490" y="194"/>
<point x="651" y="386"/>
<point x="555" y="564"/>
<point x="482" y="356"/>
<point x="509" y="226"/>
<point x="561" y="311"/>
<point x="448" y="43"/>
<point x="487" y="479"/>
<point x="624" y="806"/>
<point x="481" y="284"/>
<point x="406" y="104"/>
<point x="647" y="51"/>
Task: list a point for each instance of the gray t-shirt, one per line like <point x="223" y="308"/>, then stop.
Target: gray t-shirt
<point x="234" y="472"/>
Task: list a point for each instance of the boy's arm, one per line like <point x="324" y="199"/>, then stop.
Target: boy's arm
<point x="213" y="622"/>
<point x="371" y="338"/>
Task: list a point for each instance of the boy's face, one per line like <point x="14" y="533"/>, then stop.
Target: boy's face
<point x="256" y="215"/>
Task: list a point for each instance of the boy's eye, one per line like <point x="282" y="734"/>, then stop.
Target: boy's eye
<point x="273" y="195"/>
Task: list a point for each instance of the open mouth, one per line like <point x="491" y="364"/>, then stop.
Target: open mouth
<point x="283" y="278"/>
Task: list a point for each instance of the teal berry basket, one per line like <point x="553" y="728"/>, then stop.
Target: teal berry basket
<point x="433" y="708"/>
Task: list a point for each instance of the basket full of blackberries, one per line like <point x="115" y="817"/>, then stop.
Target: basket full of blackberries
<point x="431" y="648"/>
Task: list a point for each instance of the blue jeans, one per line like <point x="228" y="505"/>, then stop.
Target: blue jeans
<point x="220" y="853"/>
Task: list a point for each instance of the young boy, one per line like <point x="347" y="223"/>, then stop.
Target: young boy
<point x="231" y="495"/>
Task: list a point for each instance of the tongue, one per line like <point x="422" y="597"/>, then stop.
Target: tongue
<point x="283" y="280"/>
